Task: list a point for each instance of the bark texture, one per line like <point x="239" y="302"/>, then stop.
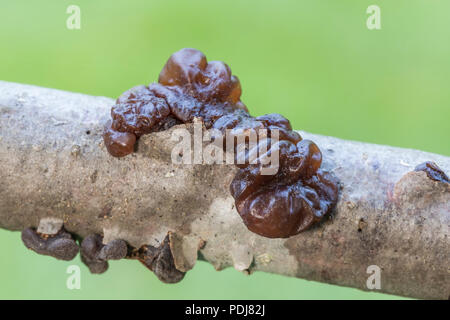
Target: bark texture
<point x="54" y="169"/>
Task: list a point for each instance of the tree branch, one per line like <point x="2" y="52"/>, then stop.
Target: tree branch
<point x="55" y="169"/>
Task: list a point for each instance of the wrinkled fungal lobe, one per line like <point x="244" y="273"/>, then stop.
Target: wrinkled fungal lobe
<point x="281" y="205"/>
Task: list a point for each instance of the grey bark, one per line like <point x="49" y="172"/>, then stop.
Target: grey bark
<point x="54" y="169"/>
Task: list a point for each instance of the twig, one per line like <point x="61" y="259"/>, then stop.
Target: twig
<point x="53" y="164"/>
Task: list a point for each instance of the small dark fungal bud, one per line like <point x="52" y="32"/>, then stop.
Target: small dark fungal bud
<point x="95" y="254"/>
<point x="433" y="171"/>
<point x="114" y="250"/>
<point x="119" y="144"/>
<point x="279" y="205"/>
<point x="60" y="245"/>
<point x="90" y="248"/>
<point x="160" y="261"/>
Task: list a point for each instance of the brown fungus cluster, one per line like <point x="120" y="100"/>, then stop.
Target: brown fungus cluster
<point x="95" y="254"/>
<point x="277" y="205"/>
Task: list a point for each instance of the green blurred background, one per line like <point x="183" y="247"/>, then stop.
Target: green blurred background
<point x="313" y="61"/>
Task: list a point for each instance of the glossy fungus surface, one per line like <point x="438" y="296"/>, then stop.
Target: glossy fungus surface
<point x="278" y="205"/>
<point x="433" y="171"/>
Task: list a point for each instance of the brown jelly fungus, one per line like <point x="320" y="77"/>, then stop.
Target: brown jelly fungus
<point x="433" y="171"/>
<point x="160" y="261"/>
<point x="280" y="205"/>
<point x="60" y="246"/>
<point x="95" y="254"/>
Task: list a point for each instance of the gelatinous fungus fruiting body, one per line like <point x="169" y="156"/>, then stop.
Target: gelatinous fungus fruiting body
<point x="160" y="260"/>
<point x="61" y="245"/>
<point x="277" y="205"/>
<point x="95" y="254"/>
<point x="433" y="171"/>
